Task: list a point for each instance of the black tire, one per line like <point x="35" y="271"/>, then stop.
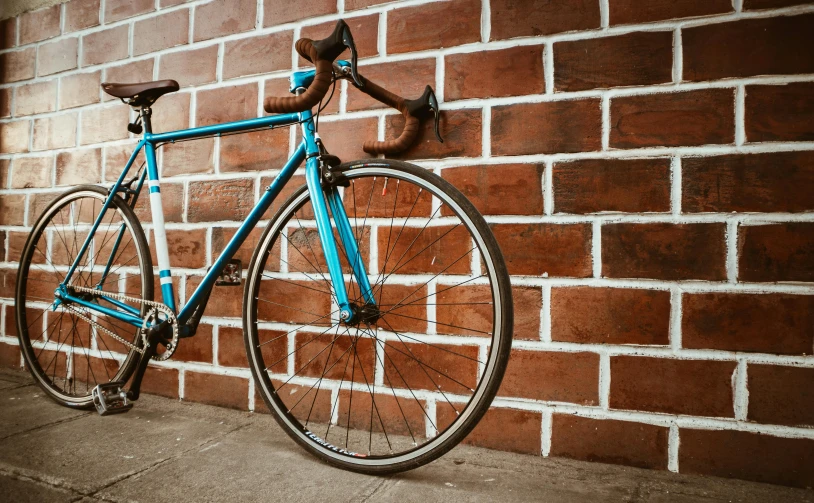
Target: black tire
<point x="492" y="267"/>
<point x="99" y="353"/>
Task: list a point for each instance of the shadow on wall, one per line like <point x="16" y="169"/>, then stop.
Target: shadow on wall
<point x="11" y="8"/>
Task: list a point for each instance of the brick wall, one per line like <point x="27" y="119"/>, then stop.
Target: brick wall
<point x="648" y="168"/>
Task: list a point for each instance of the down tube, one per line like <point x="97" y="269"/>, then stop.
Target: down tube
<point x="243" y="232"/>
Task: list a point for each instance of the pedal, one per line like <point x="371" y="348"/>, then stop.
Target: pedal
<point x="111" y="398"/>
<point x="231" y="274"/>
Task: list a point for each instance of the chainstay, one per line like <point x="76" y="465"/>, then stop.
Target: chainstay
<point x="158" y="306"/>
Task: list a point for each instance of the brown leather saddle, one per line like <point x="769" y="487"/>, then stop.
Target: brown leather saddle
<point x="142" y="93"/>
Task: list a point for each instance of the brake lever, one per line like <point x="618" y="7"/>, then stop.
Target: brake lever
<point x="347" y="39"/>
<point x="422" y="106"/>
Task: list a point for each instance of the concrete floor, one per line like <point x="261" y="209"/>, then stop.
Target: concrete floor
<point x="164" y="450"/>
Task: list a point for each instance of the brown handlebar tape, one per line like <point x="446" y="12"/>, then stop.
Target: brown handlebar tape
<point x="315" y="92"/>
<point x="410" y="132"/>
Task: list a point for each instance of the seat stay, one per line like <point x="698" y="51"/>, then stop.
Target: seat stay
<point x="113" y="191"/>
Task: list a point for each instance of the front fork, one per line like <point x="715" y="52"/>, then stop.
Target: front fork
<point x="313" y="180"/>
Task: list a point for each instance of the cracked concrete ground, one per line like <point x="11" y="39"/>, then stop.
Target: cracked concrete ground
<point x="164" y="450"/>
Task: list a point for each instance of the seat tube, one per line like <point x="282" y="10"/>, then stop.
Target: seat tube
<point x="157" y="210"/>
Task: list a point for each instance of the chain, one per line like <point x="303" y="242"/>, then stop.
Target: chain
<point x="156" y="306"/>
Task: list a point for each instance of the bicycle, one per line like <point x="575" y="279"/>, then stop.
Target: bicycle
<point x="377" y="310"/>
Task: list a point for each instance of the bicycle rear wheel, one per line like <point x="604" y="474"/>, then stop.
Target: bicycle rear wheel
<point x="67" y="355"/>
<point x="405" y="382"/>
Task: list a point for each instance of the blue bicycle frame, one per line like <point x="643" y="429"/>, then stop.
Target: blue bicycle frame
<point x="307" y="151"/>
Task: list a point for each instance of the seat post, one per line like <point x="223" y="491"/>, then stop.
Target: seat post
<point x="146" y="113"/>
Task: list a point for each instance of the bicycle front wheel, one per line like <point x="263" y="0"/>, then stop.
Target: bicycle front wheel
<point x="404" y="383"/>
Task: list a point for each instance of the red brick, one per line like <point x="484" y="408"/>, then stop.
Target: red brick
<point x="546" y="249"/>
<point x="410" y="202"/>
<point x="609" y="441"/>
<point x="664" y="251"/>
<point x="224" y="391"/>
<point x="547" y="128"/>
<point x="187" y="248"/>
<point x="160" y="381"/>
<point x="14" y="136"/>
<point x="105" y="46"/>
<point x="679" y="119"/>
<point x="36" y="98"/>
<point x="345" y="138"/>
<point x="365" y="31"/>
<point x="105" y="124"/>
<point x="116" y="156"/>
<point x="529" y="18"/>
<point x="769" y="4"/>
<point x="779" y="252"/>
<point x="136" y="71"/>
<point x="8" y="33"/>
<point x="360" y="4"/>
<point x="780" y="113"/>
<point x="691" y="387"/>
<point x="503" y="189"/>
<point x="781" y="395"/>
<point x="460" y="129"/>
<point x="256" y="151"/>
<point x="8" y="278"/>
<point x="172" y="113"/>
<point x="5" y="175"/>
<point x="765" y="323"/>
<point x="408" y="29"/>
<point x="116" y="10"/>
<point x="221" y="237"/>
<point x="39" y="25"/>
<point x="223" y="17"/>
<point x="631" y="11"/>
<point x="172" y="201"/>
<point x="220" y="200"/>
<point x="55" y="132"/>
<point x="502" y="429"/>
<point x="769" y="46"/>
<point x="308" y="403"/>
<point x="750" y="456"/>
<point x="197" y="348"/>
<point x="263" y="54"/>
<point x="79" y="166"/>
<point x="350" y="359"/>
<point x="31" y="172"/>
<point x="407" y="309"/>
<point x="294" y="302"/>
<point x="552" y="376"/>
<point x="16" y="243"/>
<point x="446" y="368"/>
<point x="232" y="351"/>
<point x="633" y="59"/>
<point x="5" y="102"/>
<point x="483" y="74"/>
<point x="774" y="182"/>
<point x="10" y="356"/>
<point x="19" y="65"/>
<point x="58" y="56"/>
<point x="624" y="185"/>
<point x="79" y="89"/>
<point x="610" y="316"/>
<point x="81" y="14"/>
<point x="223" y="301"/>
<point x="170" y="3"/>
<point x="12" y="210"/>
<point x="404" y="78"/>
<point x="280" y="12"/>
<point x="396" y="416"/>
<point x="292" y="186"/>
<point x="190" y="68"/>
<point x="226" y="104"/>
<point x="418" y="250"/>
<point x="189" y="157"/>
<point x="161" y="32"/>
